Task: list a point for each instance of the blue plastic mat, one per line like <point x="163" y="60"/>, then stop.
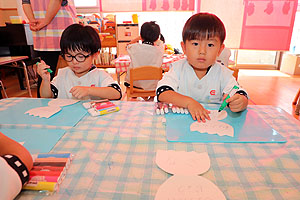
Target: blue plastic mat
<point x="248" y="128"/>
<point x="35" y="140"/>
<point x="14" y="112"/>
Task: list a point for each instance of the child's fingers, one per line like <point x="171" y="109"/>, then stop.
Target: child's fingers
<point x="233" y="98"/>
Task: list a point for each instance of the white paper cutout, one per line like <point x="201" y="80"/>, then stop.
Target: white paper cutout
<point x="61" y="102"/>
<point x="189" y="187"/>
<point x="183" y="163"/>
<point x="53" y="107"/>
<point x="216" y="115"/>
<point x="43" y="111"/>
<point x="214" y="126"/>
<point x="186" y="184"/>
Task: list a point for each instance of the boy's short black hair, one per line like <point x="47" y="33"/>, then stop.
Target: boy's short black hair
<point x="81" y="38"/>
<point x="150" y="31"/>
<point x="203" y="26"/>
<point x="162" y="38"/>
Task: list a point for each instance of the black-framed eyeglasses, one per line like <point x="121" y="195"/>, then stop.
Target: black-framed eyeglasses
<point x="78" y="57"/>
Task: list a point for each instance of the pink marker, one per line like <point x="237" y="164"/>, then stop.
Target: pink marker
<point x="45" y="178"/>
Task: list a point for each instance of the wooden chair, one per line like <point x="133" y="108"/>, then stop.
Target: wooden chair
<point x="143" y="73"/>
<point x="223" y="58"/>
<point x="2" y="88"/>
<point x="61" y="63"/>
<point x="297" y="103"/>
<point x="296" y="97"/>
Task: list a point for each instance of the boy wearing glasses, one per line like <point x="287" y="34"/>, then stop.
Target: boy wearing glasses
<point x="80" y="45"/>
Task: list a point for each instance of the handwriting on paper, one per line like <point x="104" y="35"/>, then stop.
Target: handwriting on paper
<point x="214" y="126"/>
<point x="181" y="162"/>
<point x="189" y="187"/>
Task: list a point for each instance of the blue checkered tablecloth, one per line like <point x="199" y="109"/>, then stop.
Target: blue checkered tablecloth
<point x="114" y="158"/>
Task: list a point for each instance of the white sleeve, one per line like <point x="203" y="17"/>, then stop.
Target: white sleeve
<point x="230" y="82"/>
<point x="169" y="79"/>
<point x="10" y="177"/>
<point x="56" y="80"/>
<point x="106" y="79"/>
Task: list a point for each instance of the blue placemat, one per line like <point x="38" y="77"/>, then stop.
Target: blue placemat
<point x="14" y="112"/>
<point x="35" y="140"/>
<point x="247" y="125"/>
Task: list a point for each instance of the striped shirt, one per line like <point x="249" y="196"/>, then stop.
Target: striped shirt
<point x="48" y="38"/>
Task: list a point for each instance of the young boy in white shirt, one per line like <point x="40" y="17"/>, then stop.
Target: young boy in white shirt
<point x="80" y="45"/>
<point x="150" y="52"/>
<point x="199" y="78"/>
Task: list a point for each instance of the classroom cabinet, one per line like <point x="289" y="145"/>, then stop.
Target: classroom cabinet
<point x="125" y="33"/>
<point x="290" y="64"/>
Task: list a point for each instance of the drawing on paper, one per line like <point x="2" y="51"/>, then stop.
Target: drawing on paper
<point x="214" y="126"/>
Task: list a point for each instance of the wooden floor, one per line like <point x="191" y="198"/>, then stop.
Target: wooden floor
<point x="265" y="87"/>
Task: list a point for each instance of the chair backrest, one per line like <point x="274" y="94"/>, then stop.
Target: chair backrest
<point x="143" y="73"/>
<point x="61" y="63"/>
<point x="224" y="56"/>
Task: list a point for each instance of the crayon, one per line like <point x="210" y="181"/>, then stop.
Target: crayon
<point x="49" y="168"/>
<point x="166" y="108"/>
<point x="181" y="110"/>
<point x="58" y="155"/>
<point x="162" y="111"/>
<point x="95" y="112"/>
<point x="45" y="178"/>
<point x="109" y="110"/>
<point x="173" y="109"/>
<point x="100" y="106"/>
<point x="45" y="173"/>
<point x="178" y="110"/>
<point x="56" y="164"/>
<point x="51" y="159"/>
<point x="99" y="101"/>
<point x="186" y="111"/>
<point x="157" y="108"/>
<point x="36" y="185"/>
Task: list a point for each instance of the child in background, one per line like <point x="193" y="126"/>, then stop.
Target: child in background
<point x="199" y="78"/>
<point x="80" y="45"/>
<point x="15" y="164"/>
<point x="150" y="52"/>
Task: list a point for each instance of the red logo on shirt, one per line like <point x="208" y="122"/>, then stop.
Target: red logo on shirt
<point x="93" y="85"/>
<point x="212" y="92"/>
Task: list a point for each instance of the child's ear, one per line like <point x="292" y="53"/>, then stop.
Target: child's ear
<point x="221" y="49"/>
<point x="182" y="46"/>
<point x="95" y="55"/>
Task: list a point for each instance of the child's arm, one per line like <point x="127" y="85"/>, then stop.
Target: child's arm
<point x="45" y="88"/>
<point x="197" y="111"/>
<point x="52" y="9"/>
<point x="9" y="146"/>
<point x="12" y="172"/>
<point x="135" y="40"/>
<point x="29" y="14"/>
<point x="80" y="92"/>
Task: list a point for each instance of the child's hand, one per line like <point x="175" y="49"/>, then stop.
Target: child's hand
<point x="42" y="70"/>
<point x="237" y="103"/>
<point x="80" y="92"/>
<point x="197" y="111"/>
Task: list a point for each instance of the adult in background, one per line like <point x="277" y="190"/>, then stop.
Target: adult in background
<point x="48" y="19"/>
